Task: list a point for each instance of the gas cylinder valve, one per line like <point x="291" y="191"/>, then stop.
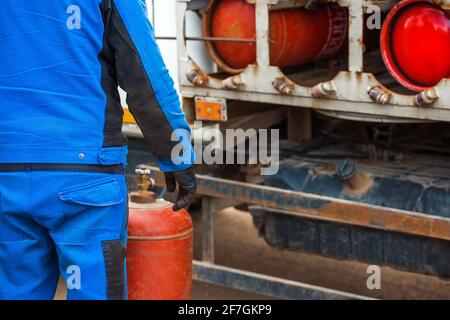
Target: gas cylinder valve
<point x="145" y="181"/>
<point x="143" y="195"/>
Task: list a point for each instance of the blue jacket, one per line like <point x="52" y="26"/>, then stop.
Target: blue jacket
<point x="61" y="62"/>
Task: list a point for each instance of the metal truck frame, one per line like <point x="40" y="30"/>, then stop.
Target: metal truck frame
<point x="353" y="92"/>
<point x="350" y="94"/>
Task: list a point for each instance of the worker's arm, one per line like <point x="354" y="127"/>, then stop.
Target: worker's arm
<point x="139" y="69"/>
<point x="141" y="72"/>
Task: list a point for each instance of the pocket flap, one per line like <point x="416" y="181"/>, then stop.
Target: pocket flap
<point x="99" y="194"/>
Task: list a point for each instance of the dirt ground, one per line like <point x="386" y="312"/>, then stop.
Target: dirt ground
<point x="238" y="245"/>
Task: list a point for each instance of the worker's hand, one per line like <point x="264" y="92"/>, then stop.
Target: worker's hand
<point x="187" y="185"/>
<point x="312" y="4"/>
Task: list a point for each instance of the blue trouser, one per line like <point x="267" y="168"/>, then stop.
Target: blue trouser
<point x="68" y="223"/>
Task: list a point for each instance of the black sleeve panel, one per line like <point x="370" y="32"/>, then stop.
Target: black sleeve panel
<point x="134" y="80"/>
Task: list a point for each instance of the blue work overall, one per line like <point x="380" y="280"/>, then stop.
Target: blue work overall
<point x="63" y="198"/>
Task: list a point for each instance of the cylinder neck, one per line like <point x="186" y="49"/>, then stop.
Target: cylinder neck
<point x="143" y="197"/>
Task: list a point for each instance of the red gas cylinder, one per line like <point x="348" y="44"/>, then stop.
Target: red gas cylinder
<point x="297" y="36"/>
<point x="159" y="250"/>
<point x="415" y="44"/>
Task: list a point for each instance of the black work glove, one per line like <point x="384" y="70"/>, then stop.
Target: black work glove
<point x="312" y="4"/>
<point x="187" y="185"/>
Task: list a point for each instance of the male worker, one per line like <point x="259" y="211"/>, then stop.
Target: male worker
<point x="63" y="199"/>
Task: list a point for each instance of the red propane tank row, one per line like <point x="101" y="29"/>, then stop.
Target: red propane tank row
<point x="415" y="40"/>
<point x="297" y="36"/>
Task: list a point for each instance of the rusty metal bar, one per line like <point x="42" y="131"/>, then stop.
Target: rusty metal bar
<point x="266" y="285"/>
<point x="213" y="39"/>
<point x="208" y="229"/>
<point x="324" y="208"/>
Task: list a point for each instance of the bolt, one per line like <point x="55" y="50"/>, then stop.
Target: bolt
<point x="346" y="169"/>
<point x="323" y="89"/>
<point x="233" y="82"/>
<point x="237" y="81"/>
<point x="426" y="97"/>
<point x="379" y="95"/>
<point x="283" y="86"/>
<point x="197" y="78"/>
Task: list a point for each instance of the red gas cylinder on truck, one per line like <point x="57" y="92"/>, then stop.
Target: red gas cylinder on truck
<point x="297" y="35"/>
<point x="415" y="44"/>
<point x="159" y="249"/>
